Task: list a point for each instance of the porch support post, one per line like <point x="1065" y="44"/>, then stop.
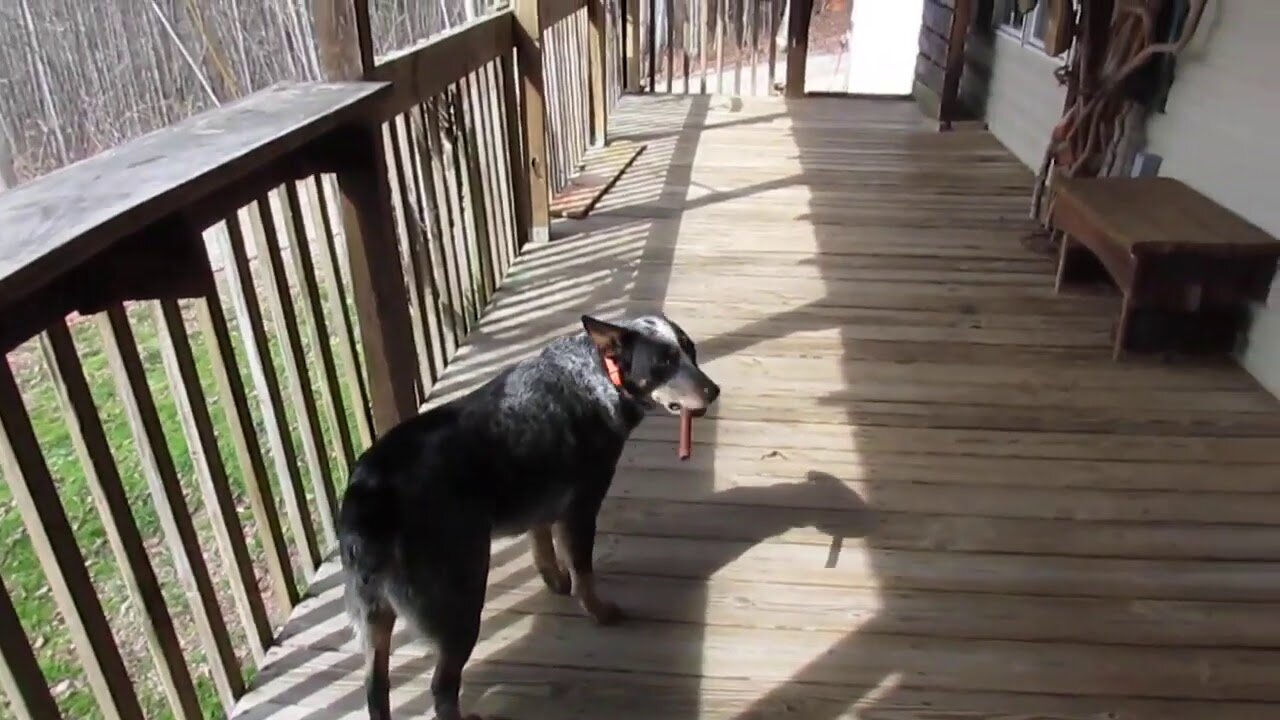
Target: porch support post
<point x="633" y="29"/>
<point x="533" y="115"/>
<point x="346" y="52"/>
<point x="596" y="45"/>
<point x="949" y="106"/>
<point x="800" y="12"/>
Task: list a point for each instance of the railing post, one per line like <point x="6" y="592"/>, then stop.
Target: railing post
<point x="961" y="18"/>
<point x="800" y="12"/>
<point x="596" y="61"/>
<point x="632" y="38"/>
<point x="377" y="276"/>
<point x="533" y="115"/>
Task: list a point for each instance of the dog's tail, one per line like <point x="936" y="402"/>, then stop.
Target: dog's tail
<point x="365" y="526"/>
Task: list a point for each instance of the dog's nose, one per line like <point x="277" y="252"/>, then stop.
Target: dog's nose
<point x="711" y="392"/>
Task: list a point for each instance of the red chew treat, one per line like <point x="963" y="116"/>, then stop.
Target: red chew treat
<point x="686" y="434"/>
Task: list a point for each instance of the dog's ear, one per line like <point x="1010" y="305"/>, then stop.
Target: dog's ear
<point x="682" y="339"/>
<point x="606" y="336"/>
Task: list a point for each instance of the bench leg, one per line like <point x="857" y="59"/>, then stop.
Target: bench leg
<point x="1076" y="265"/>
<point x="1063" y="249"/>
<point x="1122" y="326"/>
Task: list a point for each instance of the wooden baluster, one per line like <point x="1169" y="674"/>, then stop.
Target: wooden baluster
<point x="433" y="268"/>
<point x="212" y="324"/>
<point x="434" y="164"/>
<point x="258" y="351"/>
<point x="171" y="505"/>
<point x="653" y="45"/>
<point x="722" y="17"/>
<point x="24" y="685"/>
<point x="103" y="477"/>
<point x="329" y="266"/>
<point x="297" y="374"/>
<point x="305" y="272"/>
<point x="407" y="211"/>
<point x="193" y="412"/>
<point x="522" y="191"/>
<point x="775" y="24"/>
<point x="32" y="489"/>
<point x="496" y="134"/>
<point x="704" y="35"/>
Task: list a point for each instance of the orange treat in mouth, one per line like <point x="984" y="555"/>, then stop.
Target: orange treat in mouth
<point x="686" y="434"/>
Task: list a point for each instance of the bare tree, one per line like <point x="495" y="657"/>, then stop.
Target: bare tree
<point x="78" y="77"/>
<point x="8" y="175"/>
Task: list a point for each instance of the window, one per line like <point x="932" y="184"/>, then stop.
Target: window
<point x="1029" y="29"/>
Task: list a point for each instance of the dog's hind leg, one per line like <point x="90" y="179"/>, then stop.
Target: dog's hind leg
<point x="448" y="597"/>
<point x="576" y="535"/>
<point x="374" y="623"/>
<point x="544" y="558"/>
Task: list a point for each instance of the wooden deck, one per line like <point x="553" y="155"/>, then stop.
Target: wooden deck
<point x="927" y="492"/>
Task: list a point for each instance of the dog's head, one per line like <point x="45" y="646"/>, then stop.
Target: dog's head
<point x="656" y="363"/>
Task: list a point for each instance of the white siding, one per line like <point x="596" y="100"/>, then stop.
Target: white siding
<point x="1025" y="102"/>
<point x="1220" y="136"/>
<point x="1219" y="133"/>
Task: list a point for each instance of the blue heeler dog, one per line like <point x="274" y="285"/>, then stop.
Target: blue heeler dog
<point x="533" y="450"/>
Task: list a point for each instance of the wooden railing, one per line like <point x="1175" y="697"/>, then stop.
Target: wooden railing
<point x="459" y="193"/>
<point x="204" y="327"/>
<point x="716" y="46"/>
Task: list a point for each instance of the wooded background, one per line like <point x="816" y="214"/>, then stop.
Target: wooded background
<point x="78" y="77"/>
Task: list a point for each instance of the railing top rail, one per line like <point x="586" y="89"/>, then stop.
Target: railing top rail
<point x="427" y="68"/>
<point x="551" y="12"/>
<point x="53" y="226"/>
<point x="59" y="220"/>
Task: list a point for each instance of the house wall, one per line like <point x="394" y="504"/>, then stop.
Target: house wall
<point x="1023" y="101"/>
<point x="1218" y="133"/>
<point x="1219" y="136"/>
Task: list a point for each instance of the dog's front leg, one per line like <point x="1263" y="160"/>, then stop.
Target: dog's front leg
<point x="545" y="560"/>
<point x="576" y="536"/>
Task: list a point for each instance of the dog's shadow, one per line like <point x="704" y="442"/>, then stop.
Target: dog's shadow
<point x="667" y="595"/>
<point x="658" y="559"/>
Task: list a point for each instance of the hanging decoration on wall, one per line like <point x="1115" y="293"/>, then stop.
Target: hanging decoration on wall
<point x="1118" y="69"/>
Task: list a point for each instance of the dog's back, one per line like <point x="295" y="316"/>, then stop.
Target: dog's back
<point x="503" y="450"/>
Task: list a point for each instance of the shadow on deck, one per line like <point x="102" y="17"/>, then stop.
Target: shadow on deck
<point x="927" y="491"/>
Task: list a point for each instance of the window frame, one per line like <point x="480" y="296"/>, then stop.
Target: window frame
<point x="1025" y="32"/>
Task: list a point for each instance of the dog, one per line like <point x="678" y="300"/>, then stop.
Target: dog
<point x="533" y="450"/>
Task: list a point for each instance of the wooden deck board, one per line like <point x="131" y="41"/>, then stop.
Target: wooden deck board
<point x="927" y="492"/>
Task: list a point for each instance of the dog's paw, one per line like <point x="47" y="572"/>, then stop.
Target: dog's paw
<point x="606" y="613"/>
<point x="556" y="580"/>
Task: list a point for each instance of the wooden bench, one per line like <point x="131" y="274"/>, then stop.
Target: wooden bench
<point x="1187" y="266"/>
